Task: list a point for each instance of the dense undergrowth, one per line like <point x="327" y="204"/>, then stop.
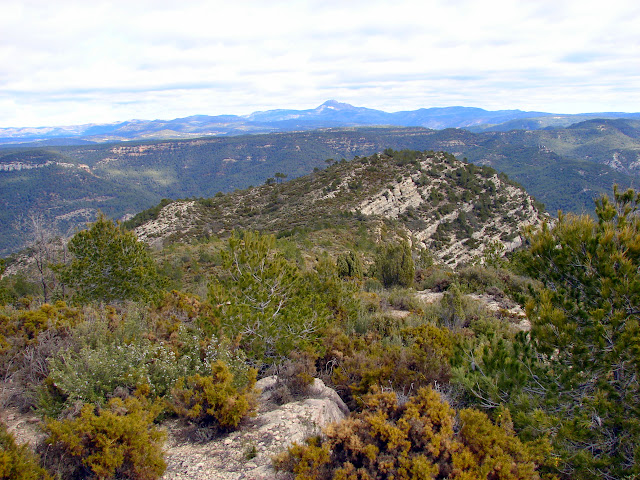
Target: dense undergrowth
<point x="444" y="389"/>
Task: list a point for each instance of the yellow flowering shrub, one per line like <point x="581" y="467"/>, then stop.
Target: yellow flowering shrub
<point x="420" y="439"/>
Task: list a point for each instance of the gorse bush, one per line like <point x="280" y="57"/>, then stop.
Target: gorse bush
<point x="359" y="364"/>
<point x="28" y="338"/>
<point x="213" y="400"/>
<point x="20" y="328"/>
<point x="414" y="440"/>
<point x="18" y="462"/>
<point x="117" y="441"/>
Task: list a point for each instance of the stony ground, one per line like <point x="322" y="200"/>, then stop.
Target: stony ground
<point x="241" y="455"/>
<point x="246" y="453"/>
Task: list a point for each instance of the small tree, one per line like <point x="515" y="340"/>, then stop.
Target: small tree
<point x="394" y="265"/>
<point x="263" y="300"/>
<point x="109" y="264"/>
<point x="348" y="265"/>
<point x="586" y="327"/>
<point x="46" y="248"/>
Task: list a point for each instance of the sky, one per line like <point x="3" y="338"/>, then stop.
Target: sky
<point x="68" y="62"/>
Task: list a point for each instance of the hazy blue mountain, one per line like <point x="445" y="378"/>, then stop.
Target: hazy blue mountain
<point x="331" y="114"/>
<point x="547" y="121"/>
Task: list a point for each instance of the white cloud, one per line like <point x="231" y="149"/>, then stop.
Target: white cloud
<point x="78" y="62"/>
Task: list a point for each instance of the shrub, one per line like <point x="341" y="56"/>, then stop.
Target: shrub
<point x="414" y="440"/>
<point x="418" y="357"/>
<point x="118" y="441"/>
<point x="118" y="352"/>
<point x="349" y="265"/>
<point x="18" y="462"/>
<point x="213" y="400"/>
<point x="394" y="265"/>
<point x="22" y="327"/>
<point x="175" y="311"/>
<point x="92" y="374"/>
<point x="294" y="377"/>
<point x="264" y="301"/>
<point x="109" y="264"/>
<point x="27" y="339"/>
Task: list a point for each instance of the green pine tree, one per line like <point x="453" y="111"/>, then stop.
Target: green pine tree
<point x="586" y="329"/>
<point x="109" y="264"/>
<point x="263" y="300"/>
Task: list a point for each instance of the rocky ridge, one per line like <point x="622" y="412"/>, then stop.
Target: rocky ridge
<point x="454" y="209"/>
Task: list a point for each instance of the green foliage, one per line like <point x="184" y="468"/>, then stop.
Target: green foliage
<point x="117" y="441"/>
<point x="586" y="328"/>
<point x="418" y="356"/>
<point x="92" y="374"/>
<point x="109" y="264"/>
<point x="18" y="462"/>
<point x="349" y="265"/>
<point x="121" y="354"/>
<point x="414" y="440"/>
<point x="394" y="265"/>
<point x="264" y="302"/>
<point x="213" y="400"/>
<point x="494" y="367"/>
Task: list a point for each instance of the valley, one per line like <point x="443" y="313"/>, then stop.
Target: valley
<point x="565" y="169"/>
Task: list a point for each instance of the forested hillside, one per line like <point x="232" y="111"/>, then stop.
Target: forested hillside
<point x="564" y="168"/>
<point x="484" y="365"/>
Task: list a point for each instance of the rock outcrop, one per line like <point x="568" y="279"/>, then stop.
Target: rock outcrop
<point x="454" y="209"/>
<point x="246" y="453"/>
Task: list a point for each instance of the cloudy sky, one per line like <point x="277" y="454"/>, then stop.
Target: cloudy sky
<point x="68" y="62"/>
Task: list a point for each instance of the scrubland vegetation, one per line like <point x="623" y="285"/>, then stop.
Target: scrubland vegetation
<point x="437" y="390"/>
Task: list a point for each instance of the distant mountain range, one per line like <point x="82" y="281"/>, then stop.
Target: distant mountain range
<point x="331" y="114"/>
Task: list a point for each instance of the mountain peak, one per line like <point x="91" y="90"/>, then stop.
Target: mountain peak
<point x="335" y="105"/>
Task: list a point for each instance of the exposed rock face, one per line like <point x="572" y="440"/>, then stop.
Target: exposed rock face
<point x="172" y="218"/>
<point x="246" y="453"/>
<point x="454" y="209"/>
<point x="412" y="194"/>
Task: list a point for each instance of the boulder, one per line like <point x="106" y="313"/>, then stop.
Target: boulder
<point x="246" y="453"/>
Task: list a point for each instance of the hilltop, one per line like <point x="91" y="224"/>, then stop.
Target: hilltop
<point x="451" y="208"/>
<point x="563" y="168"/>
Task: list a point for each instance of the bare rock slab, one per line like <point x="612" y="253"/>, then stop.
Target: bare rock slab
<point x="246" y="453"/>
